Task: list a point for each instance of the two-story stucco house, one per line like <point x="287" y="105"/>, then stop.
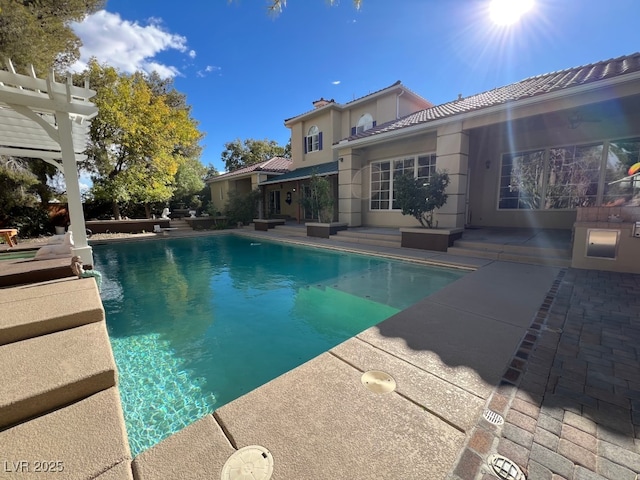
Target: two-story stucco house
<point x="523" y="155"/>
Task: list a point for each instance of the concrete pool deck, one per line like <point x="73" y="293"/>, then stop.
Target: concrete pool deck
<point x="485" y="340"/>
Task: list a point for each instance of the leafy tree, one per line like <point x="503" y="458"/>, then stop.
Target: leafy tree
<point x="189" y="182"/>
<point x="420" y="200"/>
<point x="239" y="154"/>
<point x="318" y="200"/>
<point x="38" y="32"/>
<point x="139" y="139"/>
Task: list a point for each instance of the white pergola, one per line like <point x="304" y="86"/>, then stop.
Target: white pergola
<point x="43" y="118"/>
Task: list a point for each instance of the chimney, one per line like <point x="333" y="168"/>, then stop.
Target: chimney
<point x="322" y="102"/>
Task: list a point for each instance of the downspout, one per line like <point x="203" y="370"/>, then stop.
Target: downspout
<point x="398" y="104"/>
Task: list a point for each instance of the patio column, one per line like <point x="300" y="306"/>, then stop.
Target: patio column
<point x="452" y="155"/>
<point x="350" y="187"/>
<point x="70" y="167"/>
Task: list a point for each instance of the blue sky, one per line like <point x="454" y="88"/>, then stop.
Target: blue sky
<point x="245" y="71"/>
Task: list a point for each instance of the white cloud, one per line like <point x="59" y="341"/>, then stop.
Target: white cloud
<point x="192" y="53"/>
<point x="335" y="82"/>
<point x="126" y="45"/>
<point x="208" y="69"/>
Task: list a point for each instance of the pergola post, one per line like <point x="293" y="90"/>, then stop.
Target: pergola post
<point x="74" y="199"/>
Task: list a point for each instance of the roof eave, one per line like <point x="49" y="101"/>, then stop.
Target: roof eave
<point x="408" y="131"/>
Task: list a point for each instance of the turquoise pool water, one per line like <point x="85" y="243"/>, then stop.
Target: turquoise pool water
<point x="195" y="323"/>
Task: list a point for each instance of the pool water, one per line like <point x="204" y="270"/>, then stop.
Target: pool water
<point x="197" y="322"/>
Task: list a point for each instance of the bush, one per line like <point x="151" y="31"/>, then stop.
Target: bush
<point x="30" y="221"/>
<point x="242" y="207"/>
<point x="319" y="200"/>
<point x="420" y="200"/>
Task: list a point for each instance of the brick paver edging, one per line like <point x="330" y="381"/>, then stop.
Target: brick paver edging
<point x="571" y="395"/>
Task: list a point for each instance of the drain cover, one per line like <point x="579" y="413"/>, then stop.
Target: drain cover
<point x="378" y="382"/>
<point x="493" y="417"/>
<point x="505" y="468"/>
<point x="249" y="463"/>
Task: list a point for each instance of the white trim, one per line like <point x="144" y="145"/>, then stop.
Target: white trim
<point x="391" y="161"/>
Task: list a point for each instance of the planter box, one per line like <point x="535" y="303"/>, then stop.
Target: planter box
<point x="430" y="238"/>
<point x="324" y="230"/>
<point x="265" y="224"/>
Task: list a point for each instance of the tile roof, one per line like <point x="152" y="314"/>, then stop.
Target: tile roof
<point x="273" y="165"/>
<point x="321" y="170"/>
<point x="530" y="87"/>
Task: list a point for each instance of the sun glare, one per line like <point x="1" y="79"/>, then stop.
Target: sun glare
<point x="508" y="12"/>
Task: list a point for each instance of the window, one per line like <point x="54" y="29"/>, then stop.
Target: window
<point x="572" y="180"/>
<point x="382" y="189"/>
<point x="364" y="123"/>
<point x="521" y="178"/>
<point x="553" y="178"/>
<point x="621" y="155"/>
<point x="274" y="202"/>
<point x="313" y="140"/>
<point x="380" y="185"/>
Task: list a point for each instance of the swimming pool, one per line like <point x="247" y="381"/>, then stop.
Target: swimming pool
<point x="195" y="323"/>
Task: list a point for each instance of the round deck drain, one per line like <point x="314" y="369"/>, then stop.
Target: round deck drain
<point x="505" y="468"/>
<point x="378" y="382"/>
<point x="493" y="417"/>
<point x="249" y="463"/>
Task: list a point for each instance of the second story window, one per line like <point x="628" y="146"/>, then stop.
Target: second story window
<point x="313" y="140"/>
<point x="365" y="122"/>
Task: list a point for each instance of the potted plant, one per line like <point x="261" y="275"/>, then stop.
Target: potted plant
<point x="421" y="200"/>
<point x="320" y="202"/>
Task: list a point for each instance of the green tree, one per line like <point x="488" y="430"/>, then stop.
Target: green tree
<point x="239" y="154"/>
<point x="421" y="200"/>
<point x="189" y="182"/>
<point x="318" y="199"/>
<point x="38" y="32"/>
<point x="137" y="141"/>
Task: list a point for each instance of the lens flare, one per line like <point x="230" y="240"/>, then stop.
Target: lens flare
<point x="508" y="12"/>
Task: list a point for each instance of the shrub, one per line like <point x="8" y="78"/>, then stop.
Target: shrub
<point x="319" y="200"/>
<point x="30" y="221"/>
<point x="242" y="207"/>
<point x="421" y="200"/>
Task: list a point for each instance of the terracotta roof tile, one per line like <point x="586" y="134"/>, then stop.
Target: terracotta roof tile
<point x="530" y="87"/>
<point x="273" y="165"/>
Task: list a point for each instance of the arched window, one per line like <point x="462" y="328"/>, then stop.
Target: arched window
<point x="313" y="140"/>
<point x="364" y="123"/>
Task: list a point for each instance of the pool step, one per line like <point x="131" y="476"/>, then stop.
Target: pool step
<point x="85" y="439"/>
<point x="59" y="402"/>
<point x="557" y="257"/>
<point x="54" y="370"/>
<point x="377" y="239"/>
<point x="43" y="308"/>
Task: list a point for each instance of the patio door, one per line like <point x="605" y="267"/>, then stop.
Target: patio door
<point x="274" y="202"/>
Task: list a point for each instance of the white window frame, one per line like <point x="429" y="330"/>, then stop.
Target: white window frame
<point x="364" y="123"/>
<point x="313" y="139"/>
<point x="418" y="172"/>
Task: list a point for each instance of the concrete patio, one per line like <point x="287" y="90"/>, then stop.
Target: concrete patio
<point x="489" y="340"/>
